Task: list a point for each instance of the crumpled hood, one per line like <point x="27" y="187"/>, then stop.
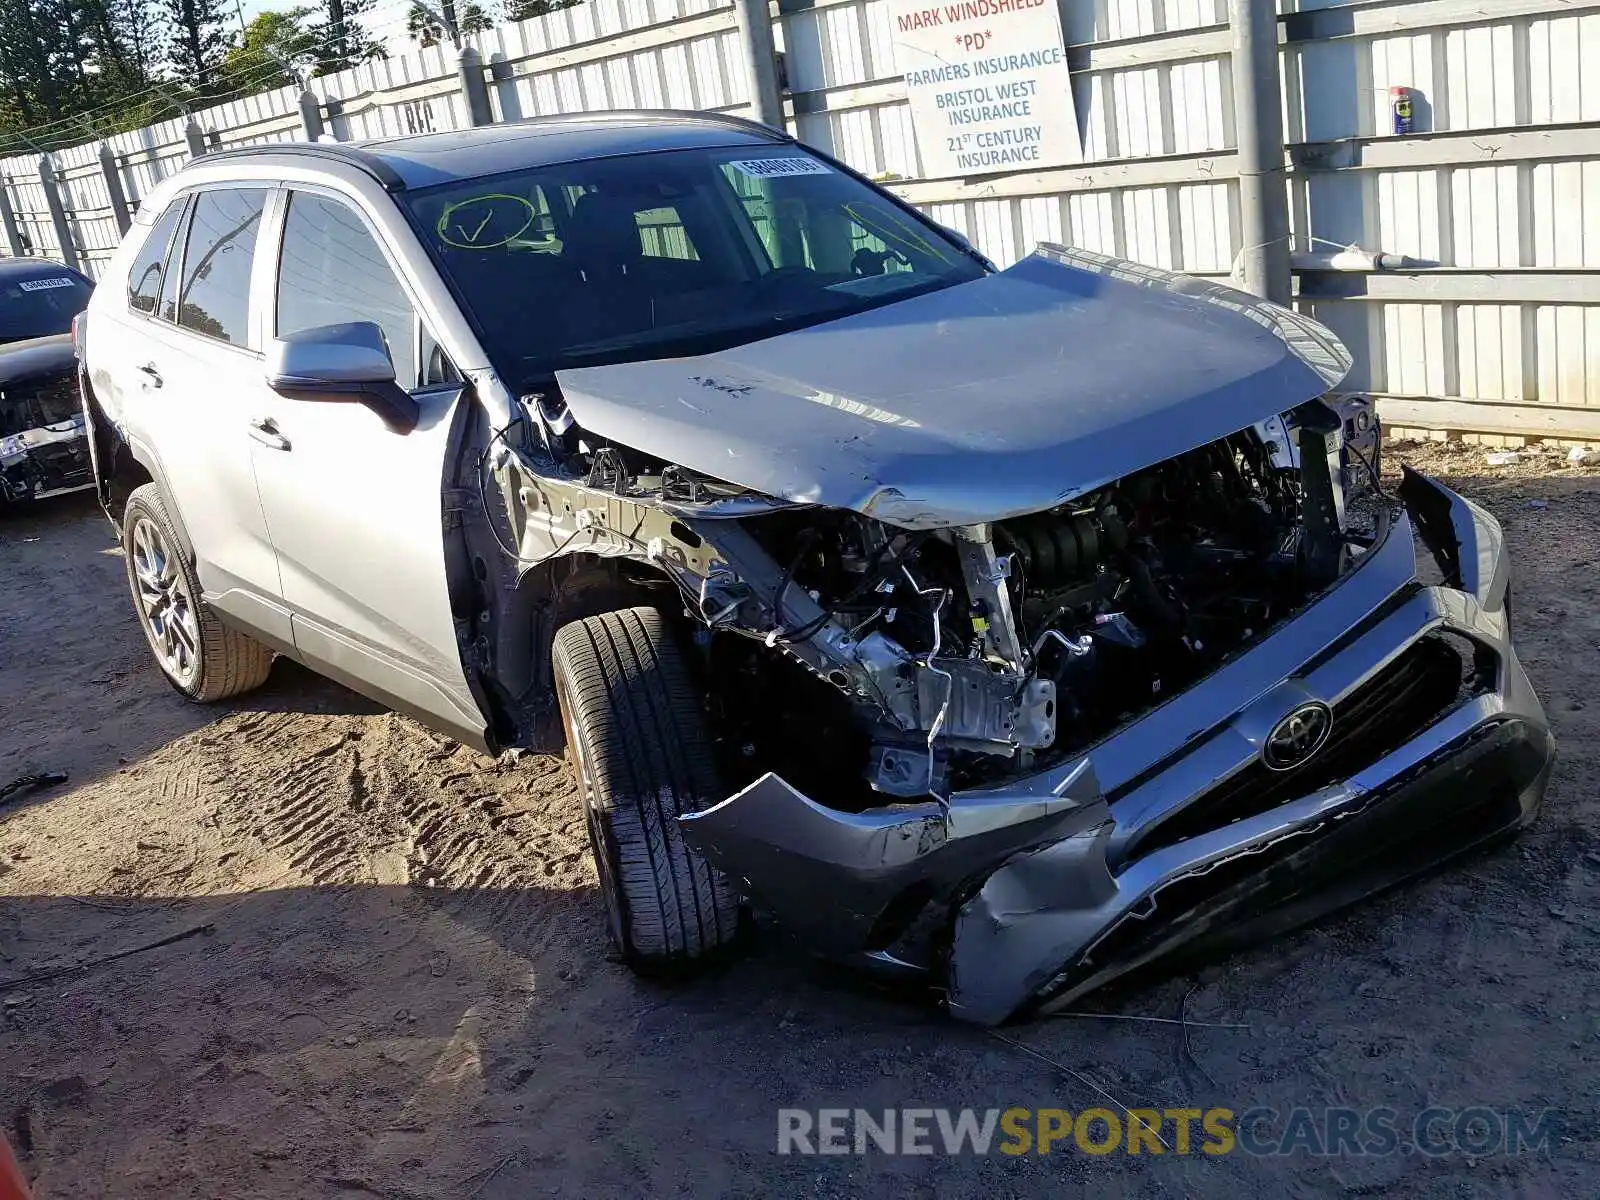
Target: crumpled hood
<point x="1006" y="395"/>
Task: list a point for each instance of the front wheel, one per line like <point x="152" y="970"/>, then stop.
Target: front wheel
<point x="638" y="743"/>
<point x="200" y="656"/>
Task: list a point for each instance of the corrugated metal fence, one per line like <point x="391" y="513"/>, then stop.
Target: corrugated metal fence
<point x="1497" y="187"/>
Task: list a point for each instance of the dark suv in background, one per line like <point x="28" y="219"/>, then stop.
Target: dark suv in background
<point x="42" y="445"/>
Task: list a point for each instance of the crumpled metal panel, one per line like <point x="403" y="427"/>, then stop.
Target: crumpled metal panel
<point x="1006" y="395"/>
<point x="46" y="459"/>
<point x="829" y="875"/>
<point x="1027" y="920"/>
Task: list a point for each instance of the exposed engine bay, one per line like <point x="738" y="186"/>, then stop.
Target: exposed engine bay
<point x="42" y="444"/>
<point x="923" y="661"/>
<point x="1013" y="687"/>
<point x="1029" y="639"/>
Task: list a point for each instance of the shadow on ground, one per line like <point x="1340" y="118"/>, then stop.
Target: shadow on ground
<point x="391" y="1041"/>
<point x="403" y="991"/>
<point x="78" y="689"/>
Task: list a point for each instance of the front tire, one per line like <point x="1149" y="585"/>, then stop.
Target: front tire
<point x="201" y="657"/>
<point x="638" y="744"/>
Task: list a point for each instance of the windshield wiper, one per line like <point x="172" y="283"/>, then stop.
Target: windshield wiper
<point x="672" y="342"/>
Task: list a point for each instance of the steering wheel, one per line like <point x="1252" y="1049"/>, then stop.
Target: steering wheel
<point x="872" y="262"/>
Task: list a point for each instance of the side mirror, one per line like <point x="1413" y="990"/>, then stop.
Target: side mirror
<point x="342" y="362"/>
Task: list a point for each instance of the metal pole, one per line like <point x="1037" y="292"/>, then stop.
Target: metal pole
<point x="58" y="212"/>
<point x="8" y="215"/>
<point x="114" y="192"/>
<point x="475" y="86"/>
<point x="310" y="115"/>
<point x="196" y="139"/>
<point x="334" y="107"/>
<point x="1258" y="119"/>
<point x="761" y="61"/>
<point x="503" y="78"/>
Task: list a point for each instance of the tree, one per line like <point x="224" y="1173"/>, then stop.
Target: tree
<point x="59" y="59"/>
<point x="73" y="70"/>
<point x="525" y="10"/>
<point x="135" y="26"/>
<point x="196" y="41"/>
<point x="110" y="53"/>
<point x="428" y="26"/>
<point x="343" y="40"/>
<point x="268" y="51"/>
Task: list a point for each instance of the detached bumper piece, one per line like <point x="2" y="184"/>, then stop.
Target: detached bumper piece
<point x="1382" y="730"/>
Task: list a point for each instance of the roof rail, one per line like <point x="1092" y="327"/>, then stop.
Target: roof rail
<point x="386" y="175"/>
<point x="633" y="114"/>
<point x="328" y="151"/>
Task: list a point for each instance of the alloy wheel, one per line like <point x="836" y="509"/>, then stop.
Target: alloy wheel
<point x="165" y="605"/>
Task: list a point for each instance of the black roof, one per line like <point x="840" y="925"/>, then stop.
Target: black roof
<point x="428" y="158"/>
<point x="35" y="357"/>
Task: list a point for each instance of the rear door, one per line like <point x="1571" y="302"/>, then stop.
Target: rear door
<point x="197" y="360"/>
<point x="355" y="510"/>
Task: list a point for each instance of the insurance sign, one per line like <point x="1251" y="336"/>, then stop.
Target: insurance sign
<point x="988" y="84"/>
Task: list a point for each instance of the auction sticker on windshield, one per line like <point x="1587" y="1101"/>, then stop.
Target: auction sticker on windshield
<point x="40" y="285"/>
<point x="988" y="85"/>
<point x="771" y="168"/>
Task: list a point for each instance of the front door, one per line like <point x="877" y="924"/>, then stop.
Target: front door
<point x="354" y="510"/>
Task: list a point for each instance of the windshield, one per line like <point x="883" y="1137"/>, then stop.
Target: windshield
<point x="676" y="252"/>
<point x="40" y="306"/>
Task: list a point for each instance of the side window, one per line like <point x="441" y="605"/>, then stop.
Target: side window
<point x="150" y="267"/>
<point x="215" y="296"/>
<point x="332" y="271"/>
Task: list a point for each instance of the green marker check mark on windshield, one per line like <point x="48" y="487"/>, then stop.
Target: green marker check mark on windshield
<point x="492" y="205"/>
<point x="473" y="236"/>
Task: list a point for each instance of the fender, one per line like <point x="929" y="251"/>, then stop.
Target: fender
<point x="121" y="463"/>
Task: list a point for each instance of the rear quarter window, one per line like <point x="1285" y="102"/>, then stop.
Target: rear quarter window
<point x="150" y="265"/>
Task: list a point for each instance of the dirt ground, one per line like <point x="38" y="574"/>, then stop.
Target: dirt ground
<point x="400" y="986"/>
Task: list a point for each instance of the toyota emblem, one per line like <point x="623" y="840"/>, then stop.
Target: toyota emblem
<point x="1297" y="737"/>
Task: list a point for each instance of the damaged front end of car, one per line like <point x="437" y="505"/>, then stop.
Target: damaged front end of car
<point x="43" y="447"/>
<point x="1165" y="674"/>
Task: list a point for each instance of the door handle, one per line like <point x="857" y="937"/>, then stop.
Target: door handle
<point x="153" y="375"/>
<point x="265" y="431"/>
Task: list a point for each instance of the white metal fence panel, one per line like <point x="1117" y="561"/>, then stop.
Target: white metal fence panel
<point x="31" y="209"/>
<point x="1496" y="215"/>
<point x="84" y="194"/>
<point x="1496" y="189"/>
<point x="684" y="55"/>
<point x="419" y="92"/>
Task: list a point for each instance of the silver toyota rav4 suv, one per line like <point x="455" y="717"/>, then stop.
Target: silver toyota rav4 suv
<point x="1002" y="630"/>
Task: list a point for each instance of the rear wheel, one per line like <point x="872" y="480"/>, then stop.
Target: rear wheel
<point x="638" y="744"/>
<point x="200" y="656"/>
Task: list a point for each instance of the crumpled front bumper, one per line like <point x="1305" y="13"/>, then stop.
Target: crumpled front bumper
<point x="1170" y="834"/>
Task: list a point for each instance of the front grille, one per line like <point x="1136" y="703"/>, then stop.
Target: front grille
<point x="1380" y="716"/>
<point x="1492" y="807"/>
